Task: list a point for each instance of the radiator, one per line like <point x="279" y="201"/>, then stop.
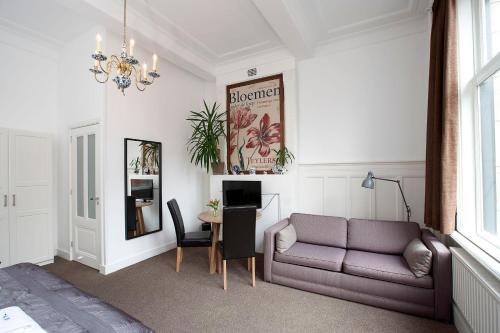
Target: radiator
<point x="476" y="294"/>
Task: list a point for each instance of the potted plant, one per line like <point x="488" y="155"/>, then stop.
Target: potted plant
<point x="151" y="155"/>
<point x="203" y="145"/>
<point x="136" y="164"/>
<point x="283" y="157"/>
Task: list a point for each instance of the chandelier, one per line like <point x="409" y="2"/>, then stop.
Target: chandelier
<point x="125" y="65"/>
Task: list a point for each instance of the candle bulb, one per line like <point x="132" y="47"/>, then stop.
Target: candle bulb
<point x="144" y="72"/>
<point x="132" y="43"/>
<point x="98" y="39"/>
<point x="155" y="60"/>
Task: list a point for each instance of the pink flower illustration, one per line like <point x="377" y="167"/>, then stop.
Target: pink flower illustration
<point x="263" y="136"/>
<point x="232" y="144"/>
<point x="242" y="117"/>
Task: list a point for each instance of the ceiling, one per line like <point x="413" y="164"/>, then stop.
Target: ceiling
<point x="201" y="34"/>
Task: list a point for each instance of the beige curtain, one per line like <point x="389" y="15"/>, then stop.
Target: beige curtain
<point x="442" y="120"/>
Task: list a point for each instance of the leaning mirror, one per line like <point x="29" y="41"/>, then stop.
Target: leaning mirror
<point x="142" y="188"/>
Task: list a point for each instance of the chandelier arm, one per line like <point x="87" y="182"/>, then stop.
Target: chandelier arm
<point x="105" y="80"/>
<point x="102" y="69"/>
<point x="137" y="81"/>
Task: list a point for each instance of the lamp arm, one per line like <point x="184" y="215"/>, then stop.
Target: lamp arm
<point x="408" y="210"/>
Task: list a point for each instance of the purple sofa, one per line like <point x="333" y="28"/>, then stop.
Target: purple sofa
<point x="361" y="261"/>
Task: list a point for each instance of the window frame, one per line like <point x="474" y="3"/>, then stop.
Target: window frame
<point x="474" y="69"/>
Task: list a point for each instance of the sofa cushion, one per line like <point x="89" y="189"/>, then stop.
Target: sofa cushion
<point x="310" y="255"/>
<point x="321" y="230"/>
<point x="418" y="257"/>
<point x="389" y="237"/>
<point x="385" y="267"/>
<point x="285" y="238"/>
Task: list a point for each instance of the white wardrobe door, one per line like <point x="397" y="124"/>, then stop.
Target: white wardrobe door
<point x="4" y="199"/>
<point x="30" y="169"/>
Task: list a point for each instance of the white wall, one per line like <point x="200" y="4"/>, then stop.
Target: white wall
<point x="81" y="100"/>
<point x="359" y="100"/>
<point x="29" y="91"/>
<point x="156" y="114"/>
<point x="365" y="99"/>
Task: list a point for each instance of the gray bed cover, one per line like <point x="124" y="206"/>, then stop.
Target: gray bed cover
<point x="58" y="306"/>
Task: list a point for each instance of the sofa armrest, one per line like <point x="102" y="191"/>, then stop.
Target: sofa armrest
<point x="269" y="246"/>
<point x="441" y="275"/>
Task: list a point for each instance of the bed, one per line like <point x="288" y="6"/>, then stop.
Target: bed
<point x="58" y="306"/>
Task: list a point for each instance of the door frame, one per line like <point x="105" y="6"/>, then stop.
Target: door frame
<point x="99" y="167"/>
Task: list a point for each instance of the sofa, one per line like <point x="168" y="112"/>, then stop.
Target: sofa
<point x="362" y="261"/>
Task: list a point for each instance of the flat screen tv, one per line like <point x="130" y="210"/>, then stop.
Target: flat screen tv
<point x="241" y="193"/>
<point x="142" y="189"/>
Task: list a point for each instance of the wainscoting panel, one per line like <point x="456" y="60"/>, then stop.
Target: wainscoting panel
<point x="335" y="189"/>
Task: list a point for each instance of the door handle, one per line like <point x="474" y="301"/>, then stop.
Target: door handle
<point x="13" y="200"/>
<point x="5" y="198"/>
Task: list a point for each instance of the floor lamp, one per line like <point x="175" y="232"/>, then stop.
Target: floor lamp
<point x="369" y="183"/>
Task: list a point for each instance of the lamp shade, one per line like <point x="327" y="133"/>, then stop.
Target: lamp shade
<point x="368" y="181"/>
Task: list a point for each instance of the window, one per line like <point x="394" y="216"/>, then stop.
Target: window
<point x="478" y="217"/>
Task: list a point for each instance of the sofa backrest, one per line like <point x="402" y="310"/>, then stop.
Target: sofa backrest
<point x="320" y="230"/>
<point x="390" y="237"/>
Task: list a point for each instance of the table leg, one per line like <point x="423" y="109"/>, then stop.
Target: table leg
<point x="215" y="240"/>
<point x="142" y="228"/>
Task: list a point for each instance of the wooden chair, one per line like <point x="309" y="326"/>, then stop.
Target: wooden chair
<point x="187" y="239"/>
<point x="238" y="235"/>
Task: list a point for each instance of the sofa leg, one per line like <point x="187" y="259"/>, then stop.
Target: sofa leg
<point x="179" y="259"/>
<point x="225" y="274"/>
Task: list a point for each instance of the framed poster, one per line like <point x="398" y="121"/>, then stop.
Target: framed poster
<point x="255" y="123"/>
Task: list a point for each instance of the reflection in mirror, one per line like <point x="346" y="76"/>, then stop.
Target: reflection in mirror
<point x="143" y="213"/>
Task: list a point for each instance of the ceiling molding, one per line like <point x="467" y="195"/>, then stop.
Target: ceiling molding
<point x="28" y="40"/>
<point x="183" y="37"/>
<point x="414" y="9"/>
<point x="288" y="22"/>
<point x="175" y="31"/>
<point x="30" y="33"/>
<point x="378" y="35"/>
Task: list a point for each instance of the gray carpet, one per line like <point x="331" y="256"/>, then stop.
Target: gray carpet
<point x="194" y="301"/>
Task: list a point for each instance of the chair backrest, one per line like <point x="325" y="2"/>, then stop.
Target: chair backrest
<point x="173" y="207"/>
<point x="238" y="232"/>
<point x="130" y="214"/>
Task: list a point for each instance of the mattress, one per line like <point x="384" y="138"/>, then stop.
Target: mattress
<point x="58" y="306"/>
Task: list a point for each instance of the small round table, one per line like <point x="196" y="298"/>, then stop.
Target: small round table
<point x="215" y="221"/>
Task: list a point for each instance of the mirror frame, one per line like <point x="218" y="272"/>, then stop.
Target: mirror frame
<point x="160" y="187"/>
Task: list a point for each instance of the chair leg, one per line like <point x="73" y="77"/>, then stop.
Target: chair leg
<point x="219" y="262"/>
<point x="208" y="248"/>
<point x="253" y="271"/>
<point x="225" y="274"/>
<point x="249" y="264"/>
<point x="179" y="259"/>
<point x="182" y="254"/>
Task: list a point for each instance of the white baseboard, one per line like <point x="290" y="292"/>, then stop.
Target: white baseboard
<point x="63" y="254"/>
<point x="459" y="321"/>
<point x="115" y="266"/>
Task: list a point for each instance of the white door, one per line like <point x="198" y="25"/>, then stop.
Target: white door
<point x="30" y="183"/>
<point x="85" y="191"/>
<point x="4" y="198"/>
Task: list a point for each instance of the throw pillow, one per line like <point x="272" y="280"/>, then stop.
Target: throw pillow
<point x="285" y="238"/>
<point x="418" y="257"/>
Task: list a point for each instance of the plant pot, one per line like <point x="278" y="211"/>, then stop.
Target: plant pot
<point x="218" y="168"/>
